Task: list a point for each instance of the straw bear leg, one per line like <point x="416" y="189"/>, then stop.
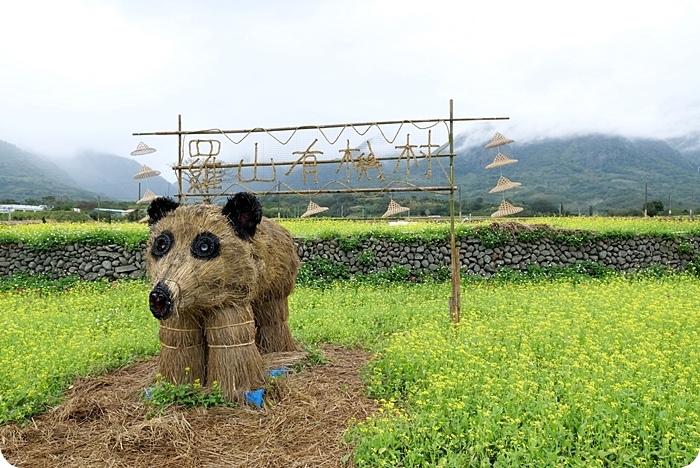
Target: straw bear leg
<point x="271" y="320"/>
<point x="233" y="361"/>
<point x="183" y="354"/>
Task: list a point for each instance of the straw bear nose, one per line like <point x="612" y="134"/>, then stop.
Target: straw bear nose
<point x="160" y="301"/>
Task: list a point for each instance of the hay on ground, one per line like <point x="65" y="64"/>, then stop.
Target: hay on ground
<point x="301" y="425"/>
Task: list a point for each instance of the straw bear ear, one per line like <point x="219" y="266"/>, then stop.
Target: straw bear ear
<point x="244" y="212"/>
<point x="159" y="209"/>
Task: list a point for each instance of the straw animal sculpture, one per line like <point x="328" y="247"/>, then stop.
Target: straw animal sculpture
<point x="221" y="278"/>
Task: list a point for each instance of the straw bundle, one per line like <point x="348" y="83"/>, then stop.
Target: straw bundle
<point x="183" y="353"/>
<point x="278" y="263"/>
<point x="234" y="361"/>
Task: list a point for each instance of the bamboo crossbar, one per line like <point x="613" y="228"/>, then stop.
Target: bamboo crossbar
<point x="215" y="131"/>
<point x="328" y="191"/>
<point x="218" y="165"/>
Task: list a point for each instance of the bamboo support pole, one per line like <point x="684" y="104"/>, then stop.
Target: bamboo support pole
<point x="454" y="254"/>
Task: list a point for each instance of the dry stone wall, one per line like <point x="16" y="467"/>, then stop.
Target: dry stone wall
<point x="113" y="261"/>
<point x="478" y="259"/>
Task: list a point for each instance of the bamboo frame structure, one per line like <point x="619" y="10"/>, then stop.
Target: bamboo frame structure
<point x="390" y="187"/>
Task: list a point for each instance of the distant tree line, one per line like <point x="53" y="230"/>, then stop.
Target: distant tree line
<point x="346" y="205"/>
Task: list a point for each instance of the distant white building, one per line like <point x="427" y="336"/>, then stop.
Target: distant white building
<point x="11" y="208"/>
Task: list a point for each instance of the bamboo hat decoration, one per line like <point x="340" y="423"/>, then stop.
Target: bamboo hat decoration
<point x="501" y="160"/>
<point x="504" y="184"/>
<point x="506" y="209"/>
<point x="498" y="140"/>
<point x="148" y="196"/>
<point x="146" y="172"/>
<point x="393" y="209"/>
<point x="221" y="277"/>
<point x="313" y="209"/>
<point x="141" y="149"/>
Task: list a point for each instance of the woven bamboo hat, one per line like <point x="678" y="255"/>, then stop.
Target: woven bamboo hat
<point x="498" y="140"/>
<point x="501" y="160"/>
<point x="506" y="209"/>
<point x="146" y="172"/>
<point x="504" y="184"/>
<point x="141" y="149"/>
<point x="313" y="209"/>
<point x="394" y="208"/>
<point x="148" y="197"/>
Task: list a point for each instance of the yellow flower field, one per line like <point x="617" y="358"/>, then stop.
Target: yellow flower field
<point x="547" y="374"/>
<point x="566" y="372"/>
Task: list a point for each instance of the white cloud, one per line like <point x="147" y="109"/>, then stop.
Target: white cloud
<point x="81" y="73"/>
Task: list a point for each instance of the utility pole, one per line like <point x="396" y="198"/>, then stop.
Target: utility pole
<point x="645" y="199"/>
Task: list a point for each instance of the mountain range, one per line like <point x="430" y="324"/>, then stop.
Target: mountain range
<point x="85" y="176"/>
<point x="594" y="172"/>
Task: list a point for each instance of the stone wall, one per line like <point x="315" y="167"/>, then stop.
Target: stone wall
<point x="113" y="261"/>
<point x="476" y="258"/>
<point x="86" y="261"/>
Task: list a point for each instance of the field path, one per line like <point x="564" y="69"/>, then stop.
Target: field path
<point x="102" y="423"/>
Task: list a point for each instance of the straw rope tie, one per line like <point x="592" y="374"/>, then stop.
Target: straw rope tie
<point x="231" y="325"/>
<point x="239" y="345"/>
<point x="180" y="347"/>
<point x="181" y="329"/>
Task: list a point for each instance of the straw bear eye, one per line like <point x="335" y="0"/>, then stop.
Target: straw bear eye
<point x="162" y="244"/>
<point x="205" y="246"/>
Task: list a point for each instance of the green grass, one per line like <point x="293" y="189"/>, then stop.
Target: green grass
<point x="48" y="337"/>
<point x="48" y="235"/>
<point x="350" y="233"/>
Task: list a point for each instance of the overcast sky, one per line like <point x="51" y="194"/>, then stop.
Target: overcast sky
<point x="84" y="75"/>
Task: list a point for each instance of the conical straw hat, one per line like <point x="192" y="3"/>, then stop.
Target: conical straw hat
<point x="313" y="209"/>
<point x="504" y="184"/>
<point x="141" y="149"/>
<point x="498" y="140"/>
<point x="148" y="197"/>
<point x="394" y="208"/>
<point x="501" y="160"/>
<point x="146" y="172"/>
<point x="506" y="209"/>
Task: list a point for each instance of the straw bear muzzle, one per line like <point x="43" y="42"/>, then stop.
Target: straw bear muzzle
<point x="160" y="301"/>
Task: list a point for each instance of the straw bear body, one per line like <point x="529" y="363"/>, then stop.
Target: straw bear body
<point x="221" y="279"/>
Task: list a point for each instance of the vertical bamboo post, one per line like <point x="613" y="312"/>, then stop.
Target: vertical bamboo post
<point x="179" y="158"/>
<point x="454" y="254"/>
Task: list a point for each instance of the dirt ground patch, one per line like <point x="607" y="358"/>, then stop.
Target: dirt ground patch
<point x="102" y="423"/>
